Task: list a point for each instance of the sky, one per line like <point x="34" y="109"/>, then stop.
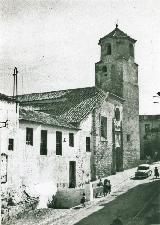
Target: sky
<point x="54" y="43"/>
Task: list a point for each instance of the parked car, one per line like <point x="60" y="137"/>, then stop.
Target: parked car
<point x="143" y="171"/>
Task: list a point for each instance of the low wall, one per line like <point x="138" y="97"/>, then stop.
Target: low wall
<point x="68" y="198"/>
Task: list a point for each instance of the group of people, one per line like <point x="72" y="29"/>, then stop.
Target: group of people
<point x="106" y="190"/>
<point x="106" y="187"/>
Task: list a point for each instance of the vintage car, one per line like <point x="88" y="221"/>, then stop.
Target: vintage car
<point x="143" y="171"/>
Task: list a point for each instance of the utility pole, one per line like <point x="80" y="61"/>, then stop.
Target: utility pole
<point x="15" y="85"/>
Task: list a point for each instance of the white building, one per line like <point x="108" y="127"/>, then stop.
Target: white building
<point x="9" y="123"/>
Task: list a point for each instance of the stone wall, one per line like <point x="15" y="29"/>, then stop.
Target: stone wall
<point x="131" y="140"/>
<point x="102" y="153"/>
<point x="118" y="74"/>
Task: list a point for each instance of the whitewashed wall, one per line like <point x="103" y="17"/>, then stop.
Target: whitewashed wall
<point x="38" y="168"/>
<point x="8" y="112"/>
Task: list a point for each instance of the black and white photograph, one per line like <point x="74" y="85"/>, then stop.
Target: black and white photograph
<point x="80" y="112"/>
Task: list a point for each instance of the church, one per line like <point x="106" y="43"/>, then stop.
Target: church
<point x="110" y="109"/>
<point x="75" y="136"/>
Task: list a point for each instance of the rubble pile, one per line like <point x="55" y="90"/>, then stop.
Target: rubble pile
<point x="13" y="206"/>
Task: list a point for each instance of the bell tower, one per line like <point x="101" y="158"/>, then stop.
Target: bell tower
<point x="116" y="47"/>
<point x="117" y="73"/>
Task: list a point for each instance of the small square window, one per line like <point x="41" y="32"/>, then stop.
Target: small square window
<point x="71" y="139"/>
<point x="128" y="137"/>
<point x="11" y="144"/>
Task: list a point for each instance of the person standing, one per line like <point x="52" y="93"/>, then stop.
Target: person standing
<point x="83" y="200"/>
<point x="105" y="187"/>
<point x="156" y="172"/>
<point x="109" y="186"/>
<point x="100" y="190"/>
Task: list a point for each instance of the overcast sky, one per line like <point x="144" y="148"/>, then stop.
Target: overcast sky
<point x="54" y="43"/>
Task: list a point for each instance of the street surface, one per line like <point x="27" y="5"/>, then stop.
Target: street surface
<point x="136" y="201"/>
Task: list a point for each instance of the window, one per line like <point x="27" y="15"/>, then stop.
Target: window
<point x="104" y="127"/>
<point x="104" y="70"/>
<point x="88" y="149"/>
<point x="71" y="139"/>
<point x="117" y="114"/>
<point x="58" y="143"/>
<point x="131" y="50"/>
<point x="43" y="146"/>
<point x="128" y="137"/>
<point x="147" y="127"/>
<point x="29" y="136"/>
<point x="109" y="50"/>
<point x="11" y="144"/>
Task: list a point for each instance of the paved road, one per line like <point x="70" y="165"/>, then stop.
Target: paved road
<point x="127" y="199"/>
<point x="132" y="206"/>
<point x="128" y="196"/>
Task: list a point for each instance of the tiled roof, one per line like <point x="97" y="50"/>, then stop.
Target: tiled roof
<point x="72" y="105"/>
<point x="43" y="118"/>
<point x="117" y="33"/>
<point x="6" y="98"/>
<point x="42" y="96"/>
